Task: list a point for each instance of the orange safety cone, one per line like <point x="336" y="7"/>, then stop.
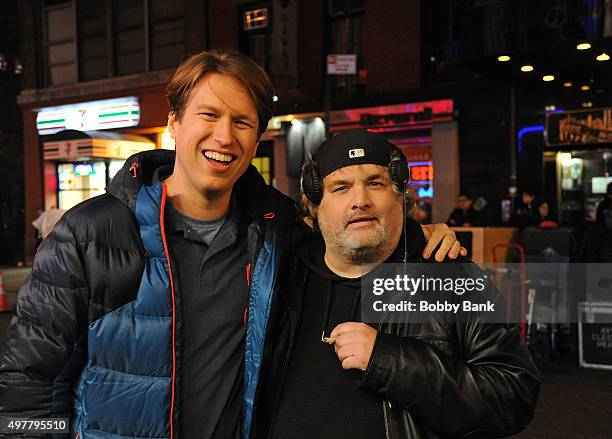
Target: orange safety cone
<point x="3" y="301"/>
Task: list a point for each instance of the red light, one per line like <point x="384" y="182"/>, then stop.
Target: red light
<point x="421" y="173"/>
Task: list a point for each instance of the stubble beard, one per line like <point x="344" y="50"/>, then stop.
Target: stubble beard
<point x="355" y="250"/>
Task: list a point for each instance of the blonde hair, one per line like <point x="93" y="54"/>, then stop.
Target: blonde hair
<point x="239" y="66"/>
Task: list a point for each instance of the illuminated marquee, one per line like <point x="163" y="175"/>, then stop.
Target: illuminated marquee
<point x="88" y="116"/>
<point x="579" y="127"/>
<point x="418" y="114"/>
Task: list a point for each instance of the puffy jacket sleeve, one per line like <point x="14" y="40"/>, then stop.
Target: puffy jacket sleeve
<point x="43" y="351"/>
<point x="489" y="387"/>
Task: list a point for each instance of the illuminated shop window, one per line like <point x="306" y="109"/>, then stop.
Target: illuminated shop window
<point x="79" y="182"/>
<point x="263" y="166"/>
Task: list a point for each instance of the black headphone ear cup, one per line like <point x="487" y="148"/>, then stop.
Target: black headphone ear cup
<point x="311" y="183"/>
<point x="398" y="170"/>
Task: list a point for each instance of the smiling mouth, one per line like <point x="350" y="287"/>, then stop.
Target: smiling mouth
<point x="219" y="157"/>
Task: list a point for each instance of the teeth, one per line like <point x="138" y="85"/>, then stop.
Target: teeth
<point x="218" y="156"/>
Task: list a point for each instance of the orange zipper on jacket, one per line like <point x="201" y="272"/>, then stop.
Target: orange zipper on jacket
<point x="163" y="235"/>
<point x="248" y="279"/>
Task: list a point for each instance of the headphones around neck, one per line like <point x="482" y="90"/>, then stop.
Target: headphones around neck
<point x="312" y="183"/>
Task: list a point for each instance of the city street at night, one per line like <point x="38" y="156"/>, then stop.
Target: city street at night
<point x="306" y="219"/>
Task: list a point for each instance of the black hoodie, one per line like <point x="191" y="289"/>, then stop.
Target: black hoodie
<point x="320" y="399"/>
<point x="440" y="378"/>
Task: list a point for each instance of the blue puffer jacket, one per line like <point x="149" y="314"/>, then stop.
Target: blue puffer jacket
<point x="96" y="334"/>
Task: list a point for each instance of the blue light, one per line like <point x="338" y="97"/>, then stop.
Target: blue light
<point x="420" y="182"/>
<point x="525" y="130"/>
<point x="425" y="193"/>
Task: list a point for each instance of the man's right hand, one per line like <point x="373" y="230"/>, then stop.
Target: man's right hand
<point x="441" y="233"/>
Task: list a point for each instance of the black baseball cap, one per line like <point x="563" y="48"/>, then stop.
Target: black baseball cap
<point x="354" y="147"/>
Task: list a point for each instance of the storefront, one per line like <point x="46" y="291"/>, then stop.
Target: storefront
<point x="81" y="164"/>
<point x="76" y="140"/>
<point x="579" y="152"/>
<point x="84" y="145"/>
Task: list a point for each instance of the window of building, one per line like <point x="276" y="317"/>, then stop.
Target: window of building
<point x="59" y="42"/>
<point x="253" y="19"/>
<point x="92" y="40"/>
<point x="166" y="23"/>
<point x="86" y="40"/>
<point x="128" y="36"/>
<point x="255" y="32"/>
<point x="346" y="20"/>
<point x="75" y="187"/>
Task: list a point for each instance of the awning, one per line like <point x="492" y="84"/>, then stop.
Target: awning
<point x="76" y="145"/>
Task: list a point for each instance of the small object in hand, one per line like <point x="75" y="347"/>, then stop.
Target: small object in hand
<point x="328" y="340"/>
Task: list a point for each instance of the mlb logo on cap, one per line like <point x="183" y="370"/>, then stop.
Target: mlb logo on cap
<point x="357" y="152"/>
<point x="353" y="147"/>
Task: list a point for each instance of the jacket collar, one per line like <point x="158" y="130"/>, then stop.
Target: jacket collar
<point x="254" y="196"/>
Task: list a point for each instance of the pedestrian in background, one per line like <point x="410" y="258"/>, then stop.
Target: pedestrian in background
<point x="465" y="215"/>
<point x="47" y="220"/>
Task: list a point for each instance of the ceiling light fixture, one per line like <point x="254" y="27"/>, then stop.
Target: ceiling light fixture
<point x="527" y="68"/>
<point x="603" y="57"/>
<point x="548" y="78"/>
<point x="567" y="84"/>
<point x="583" y="46"/>
<point x="503" y="58"/>
<point x="585" y="88"/>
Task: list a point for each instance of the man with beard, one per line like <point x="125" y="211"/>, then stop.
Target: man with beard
<point x="329" y="375"/>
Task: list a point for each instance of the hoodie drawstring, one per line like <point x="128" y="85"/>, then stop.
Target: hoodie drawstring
<point x="327" y="308"/>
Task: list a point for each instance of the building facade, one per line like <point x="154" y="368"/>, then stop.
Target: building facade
<point x="80" y="53"/>
<point x="11" y="155"/>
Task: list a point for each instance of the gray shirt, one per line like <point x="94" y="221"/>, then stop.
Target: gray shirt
<point x="194" y="229"/>
<point x="209" y="259"/>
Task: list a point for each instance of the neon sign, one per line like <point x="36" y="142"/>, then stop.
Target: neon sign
<point x="421" y="172"/>
<point x="88" y="116"/>
<point x="425" y="192"/>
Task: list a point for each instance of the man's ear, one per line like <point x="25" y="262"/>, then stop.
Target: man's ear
<point x="172" y="121"/>
<point x="255" y="150"/>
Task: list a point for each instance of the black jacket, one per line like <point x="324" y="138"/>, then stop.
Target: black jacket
<point x="437" y="379"/>
<point x="98" y="320"/>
